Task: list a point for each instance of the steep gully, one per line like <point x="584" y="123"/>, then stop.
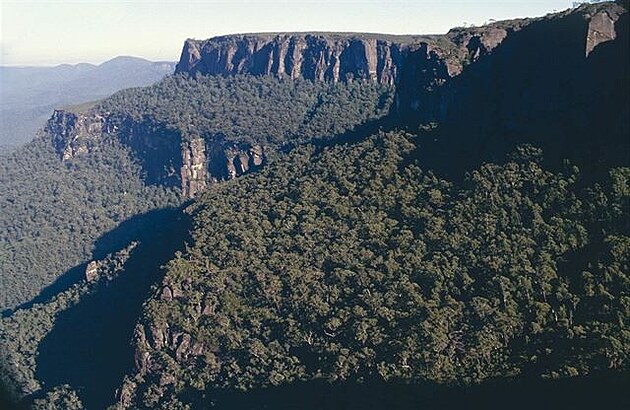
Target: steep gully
<point x="88" y="348"/>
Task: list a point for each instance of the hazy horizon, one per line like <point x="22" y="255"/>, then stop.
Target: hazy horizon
<point x="53" y="32"/>
<point x="92" y="63"/>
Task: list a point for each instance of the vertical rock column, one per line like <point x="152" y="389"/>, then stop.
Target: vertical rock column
<point x="194" y="172"/>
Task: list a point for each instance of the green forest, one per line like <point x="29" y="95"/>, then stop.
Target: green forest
<point x="59" y="215"/>
<point x="460" y="240"/>
<point x="265" y="110"/>
<point x="53" y="212"/>
<point x="353" y="264"/>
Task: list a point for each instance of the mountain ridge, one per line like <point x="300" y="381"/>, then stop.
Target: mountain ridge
<point x="87" y="64"/>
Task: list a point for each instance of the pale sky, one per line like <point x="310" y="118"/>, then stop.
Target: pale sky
<point x="47" y="32"/>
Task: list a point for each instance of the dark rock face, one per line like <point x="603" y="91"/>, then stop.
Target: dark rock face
<point x="76" y="134"/>
<point x="152" y="340"/>
<point x="557" y="83"/>
<point x="157" y="147"/>
<point x="229" y="161"/>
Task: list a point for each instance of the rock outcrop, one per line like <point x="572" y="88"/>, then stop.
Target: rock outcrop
<point x="335" y="56"/>
<point x="535" y="85"/>
<point x="74" y="134"/>
<point x="109" y="267"/>
<point x="194" y="171"/>
<point x="167" y="157"/>
<point x="601" y="28"/>
<point x="229" y="161"/>
<point x="161" y="338"/>
<point x="216" y="160"/>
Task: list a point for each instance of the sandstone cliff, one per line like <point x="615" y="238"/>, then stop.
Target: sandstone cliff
<point x="469" y="80"/>
<point x="309" y="56"/>
<point x="422" y="67"/>
<point x="336" y="56"/>
<point x="73" y="134"/>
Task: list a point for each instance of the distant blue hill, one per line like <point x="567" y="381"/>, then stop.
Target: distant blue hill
<point x="29" y="94"/>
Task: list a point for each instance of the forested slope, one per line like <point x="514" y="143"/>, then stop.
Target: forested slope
<point x="53" y="210"/>
<point x="52" y="213"/>
<point x="58" y="214"/>
<point x="250" y="109"/>
<point x="353" y="264"/>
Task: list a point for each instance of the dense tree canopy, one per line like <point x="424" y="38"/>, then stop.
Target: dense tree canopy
<point x="352" y="263"/>
<point x="355" y="256"/>
<point x="57" y="215"/>
<point x="52" y="212"/>
<point x="265" y="110"/>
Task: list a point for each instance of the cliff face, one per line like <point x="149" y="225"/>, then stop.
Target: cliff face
<point x="332" y="56"/>
<point x="204" y="163"/>
<point x="73" y="134"/>
<point x="313" y="57"/>
<point x="507" y="77"/>
<point x="418" y="66"/>
<point x="424" y="69"/>
<point x="601" y="28"/>
<point x="194" y="172"/>
<point x="559" y="83"/>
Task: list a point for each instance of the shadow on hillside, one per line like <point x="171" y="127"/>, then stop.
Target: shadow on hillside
<point x="89" y="347"/>
<point x="602" y="391"/>
<point x="134" y="228"/>
<point x="63" y="282"/>
<point x="535" y="88"/>
<point x="359" y="132"/>
<point x="356" y="134"/>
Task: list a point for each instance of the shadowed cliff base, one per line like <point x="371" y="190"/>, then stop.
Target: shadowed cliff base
<point x="89" y="347"/>
<point x="604" y="390"/>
